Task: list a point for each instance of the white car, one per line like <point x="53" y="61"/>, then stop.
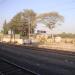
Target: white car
<point x="27" y="41"/>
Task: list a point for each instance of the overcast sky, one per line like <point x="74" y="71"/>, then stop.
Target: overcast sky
<point x="8" y="8"/>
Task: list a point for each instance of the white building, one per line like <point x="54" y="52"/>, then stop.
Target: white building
<point x="41" y="28"/>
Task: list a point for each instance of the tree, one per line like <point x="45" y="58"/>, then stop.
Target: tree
<point x="66" y="35"/>
<point x="22" y="20"/>
<point x="5" y="27"/>
<point x="19" y="25"/>
<point x="51" y="19"/>
<point x="16" y="22"/>
<point x="30" y="16"/>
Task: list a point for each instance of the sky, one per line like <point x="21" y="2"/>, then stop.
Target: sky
<point x="9" y="8"/>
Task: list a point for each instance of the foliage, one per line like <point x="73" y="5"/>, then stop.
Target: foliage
<point x="51" y="19"/>
<point x="30" y="16"/>
<point x="66" y="35"/>
<point x="5" y="27"/>
<point x="21" y="21"/>
<point x="25" y="22"/>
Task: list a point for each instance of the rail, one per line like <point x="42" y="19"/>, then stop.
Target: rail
<point x="7" y="68"/>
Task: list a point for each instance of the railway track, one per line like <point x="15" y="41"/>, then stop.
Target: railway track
<point x="57" y="54"/>
<point x="7" y="68"/>
<point x="39" y="60"/>
<point x="41" y="49"/>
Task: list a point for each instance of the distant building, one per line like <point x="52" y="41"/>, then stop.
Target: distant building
<point x="42" y="29"/>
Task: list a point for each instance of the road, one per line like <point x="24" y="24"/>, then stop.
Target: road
<point x="7" y="68"/>
<point x="40" y="61"/>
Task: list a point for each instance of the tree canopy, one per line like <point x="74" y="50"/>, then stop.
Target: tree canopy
<point x="66" y="35"/>
<point x="50" y="19"/>
<point x="26" y="20"/>
<point x="30" y="16"/>
<point x="5" y="27"/>
<point x="21" y="20"/>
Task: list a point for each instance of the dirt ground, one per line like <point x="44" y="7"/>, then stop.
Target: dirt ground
<point x="60" y="46"/>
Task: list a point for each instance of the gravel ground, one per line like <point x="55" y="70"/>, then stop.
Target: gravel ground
<point x="60" y="46"/>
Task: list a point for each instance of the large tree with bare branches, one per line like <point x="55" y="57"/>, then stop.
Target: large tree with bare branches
<point x="51" y="19"/>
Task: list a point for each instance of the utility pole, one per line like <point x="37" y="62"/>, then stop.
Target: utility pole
<point x="14" y="35"/>
<point x="29" y="29"/>
<point x="10" y="32"/>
